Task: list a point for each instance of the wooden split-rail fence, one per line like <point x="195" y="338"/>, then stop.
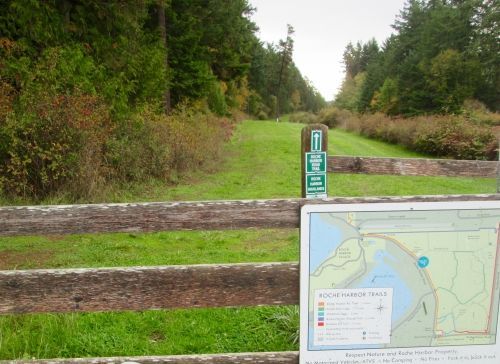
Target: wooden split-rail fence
<point x="168" y="287"/>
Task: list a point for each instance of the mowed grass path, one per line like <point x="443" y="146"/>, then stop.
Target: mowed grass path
<point x="262" y="161"/>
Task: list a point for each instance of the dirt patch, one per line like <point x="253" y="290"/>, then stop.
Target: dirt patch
<point x="11" y="259"/>
<point x="157" y="336"/>
<point x="496" y="130"/>
<point x="55" y="238"/>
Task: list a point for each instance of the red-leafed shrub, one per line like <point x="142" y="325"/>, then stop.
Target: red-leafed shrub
<point x="56" y="141"/>
<point x="448" y="136"/>
<point x="68" y="144"/>
<point x="160" y="146"/>
<point x="455" y="137"/>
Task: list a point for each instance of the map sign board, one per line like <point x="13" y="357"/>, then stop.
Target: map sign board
<point x="400" y="283"/>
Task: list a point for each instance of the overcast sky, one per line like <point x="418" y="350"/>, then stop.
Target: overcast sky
<point x="322" y="30"/>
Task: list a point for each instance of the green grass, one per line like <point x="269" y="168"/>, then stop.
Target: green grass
<point x="262" y="161"/>
<point x="144" y="333"/>
<point x="164" y="248"/>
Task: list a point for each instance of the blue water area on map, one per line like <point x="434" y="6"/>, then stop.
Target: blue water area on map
<point x="383" y="275"/>
<point x="324" y="239"/>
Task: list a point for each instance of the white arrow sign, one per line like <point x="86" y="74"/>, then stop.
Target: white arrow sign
<point x="316" y="140"/>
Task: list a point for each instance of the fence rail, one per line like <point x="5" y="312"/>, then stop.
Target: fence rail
<point x="285" y="357"/>
<point x="228" y="285"/>
<point x="145" y="288"/>
<point x="163" y="216"/>
<point x="413" y="166"/>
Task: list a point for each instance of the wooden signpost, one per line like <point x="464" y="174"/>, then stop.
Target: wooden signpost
<point x="314" y="151"/>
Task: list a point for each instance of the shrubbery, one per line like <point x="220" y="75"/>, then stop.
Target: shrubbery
<point x="445" y="136"/>
<point x="55" y="141"/>
<point x="68" y="127"/>
<point x="477" y="112"/>
<point x="303" y="117"/>
<point x="53" y="144"/>
<point x="333" y="116"/>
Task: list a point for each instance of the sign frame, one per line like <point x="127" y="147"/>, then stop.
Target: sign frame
<point x="488" y="353"/>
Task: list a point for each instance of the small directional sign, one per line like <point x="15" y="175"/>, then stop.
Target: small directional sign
<point x="316" y="137"/>
<point x="316" y="162"/>
<point x="316" y="185"/>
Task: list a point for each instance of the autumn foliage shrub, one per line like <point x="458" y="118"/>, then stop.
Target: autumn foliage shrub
<point x="303" y="117"/>
<point x="160" y="146"/>
<point x="448" y="136"/>
<point x="334" y="117"/>
<point x="455" y="137"/>
<point x="68" y="144"/>
<point x="56" y="141"/>
<point x="7" y="95"/>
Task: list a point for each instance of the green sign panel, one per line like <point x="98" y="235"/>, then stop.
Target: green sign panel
<point x="316" y="162"/>
<point x="316" y="185"/>
<point x="315" y="165"/>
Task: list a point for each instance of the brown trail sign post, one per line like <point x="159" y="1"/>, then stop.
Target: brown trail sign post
<point x="314" y="149"/>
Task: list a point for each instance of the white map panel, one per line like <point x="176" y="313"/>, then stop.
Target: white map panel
<point x="437" y="263"/>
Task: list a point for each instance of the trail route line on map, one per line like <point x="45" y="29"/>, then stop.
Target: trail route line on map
<point x="441" y="266"/>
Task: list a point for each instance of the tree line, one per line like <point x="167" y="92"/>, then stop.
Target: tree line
<point x="101" y="93"/>
<point x="443" y="52"/>
<point x="152" y="51"/>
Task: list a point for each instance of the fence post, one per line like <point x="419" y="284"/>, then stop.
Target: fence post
<point x="317" y="147"/>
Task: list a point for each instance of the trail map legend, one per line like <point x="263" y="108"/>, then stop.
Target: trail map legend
<point x="353" y="316"/>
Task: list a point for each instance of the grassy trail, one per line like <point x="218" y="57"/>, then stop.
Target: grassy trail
<point x="262" y="161"/>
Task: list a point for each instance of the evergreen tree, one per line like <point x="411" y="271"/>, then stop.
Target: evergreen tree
<point x="443" y="52"/>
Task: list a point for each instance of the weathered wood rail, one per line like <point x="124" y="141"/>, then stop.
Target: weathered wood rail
<point x="413" y="166"/>
<point x="141" y="288"/>
<point x="163" y="216"/>
<point x="146" y="288"/>
<point x="285" y="357"/>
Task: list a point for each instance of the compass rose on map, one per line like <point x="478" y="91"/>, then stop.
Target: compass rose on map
<point x="381" y="307"/>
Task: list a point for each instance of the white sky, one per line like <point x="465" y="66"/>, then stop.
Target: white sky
<point x="322" y="30"/>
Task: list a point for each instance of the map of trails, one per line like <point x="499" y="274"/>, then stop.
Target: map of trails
<point x="403" y="278"/>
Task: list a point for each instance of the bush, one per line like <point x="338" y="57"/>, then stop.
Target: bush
<point x="455" y="137"/>
<point x="195" y="139"/>
<point x="67" y="144"/>
<point x="330" y="117"/>
<point x="444" y="136"/>
<point x="262" y="115"/>
<point x="56" y="141"/>
<point x="477" y="112"/>
<point x="303" y="117"/>
<point x="7" y="95"/>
